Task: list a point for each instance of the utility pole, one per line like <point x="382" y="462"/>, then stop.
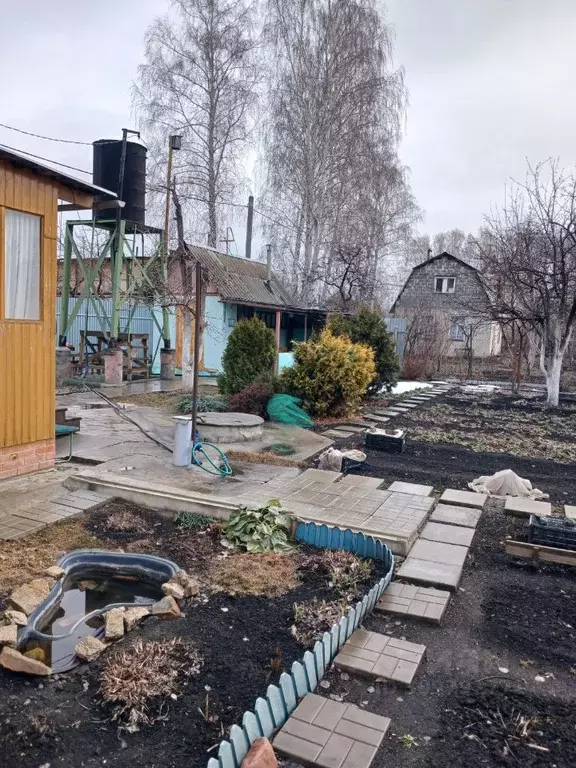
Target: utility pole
<point x="174" y="143"/>
<point x="248" y="250"/>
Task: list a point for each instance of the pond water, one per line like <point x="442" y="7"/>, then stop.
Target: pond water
<point x="80" y="599"/>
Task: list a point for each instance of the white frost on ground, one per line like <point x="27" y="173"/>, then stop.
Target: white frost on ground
<point x="408" y="386"/>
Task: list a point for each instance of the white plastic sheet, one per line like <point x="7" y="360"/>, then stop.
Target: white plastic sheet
<point x="506" y="483"/>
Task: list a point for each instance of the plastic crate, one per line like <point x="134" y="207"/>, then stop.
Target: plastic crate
<point x="552" y="532"/>
<point x="385" y="442"/>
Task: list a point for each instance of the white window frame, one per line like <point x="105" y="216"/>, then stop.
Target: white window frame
<point x="444" y="288"/>
<point x="458" y="329"/>
<point x="23" y="281"/>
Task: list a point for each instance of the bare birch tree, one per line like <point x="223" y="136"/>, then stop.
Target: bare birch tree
<point x="336" y="108"/>
<point x="528" y="256"/>
<point x="199" y="80"/>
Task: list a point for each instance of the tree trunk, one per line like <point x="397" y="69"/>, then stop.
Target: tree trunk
<point x="187" y="355"/>
<point x="553" y="372"/>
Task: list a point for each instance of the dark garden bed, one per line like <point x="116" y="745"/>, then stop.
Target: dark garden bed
<point x="245" y="642"/>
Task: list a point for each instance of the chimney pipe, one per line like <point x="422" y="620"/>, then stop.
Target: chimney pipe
<point x="248" y="250"/>
<point x="269" y="261"/>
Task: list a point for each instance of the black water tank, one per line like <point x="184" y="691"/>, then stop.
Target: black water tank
<point x="106" y="172"/>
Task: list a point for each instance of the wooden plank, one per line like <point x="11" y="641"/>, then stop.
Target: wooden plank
<point x="540" y="554"/>
<point x="288" y="691"/>
<point x="251" y="727"/>
<point x="264" y="717"/>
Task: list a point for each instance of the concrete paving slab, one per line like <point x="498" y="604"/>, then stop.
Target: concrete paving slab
<point x="376" y="656"/>
<point x="438" y="552"/>
<point x="413" y="601"/>
<point x="452" y="515"/>
<point x="430" y="573"/>
<point x="399" y="409"/>
<point x="570" y="511"/>
<point x="360" y="481"/>
<point x="387" y="412"/>
<point x="407" y="404"/>
<point x="463" y="498"/>
<point x="414" y="488"/>
<point x="448" y="534"/>
<point x="526" y="507"/>
<point x="337" y="434"/>
<point x="378" y="419"/>
<point x="331" y="734"/>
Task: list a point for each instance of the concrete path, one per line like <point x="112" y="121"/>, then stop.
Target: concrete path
<point x="376" y="656"/>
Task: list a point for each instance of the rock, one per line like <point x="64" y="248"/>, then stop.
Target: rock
<point x="324" y="684"/>
<point x="27" y="598"/>
<point x="55" y="572"/>
<point x="133" y="615"/>
<point x="17" y="662"/>
<point x="167" y="608"/>
<point x="89" y="648"/>
<point x="15" y="617"/>
<point x="36" y="653"/>
<point x="114" y="629"/>
<point x="260" y="755"/>
<point x="190" y="585"/>
<point x="42" y="585"/>
<point x="84" y="585"/>
<point x="9" y="635"/>
<point x="173" y="590"/>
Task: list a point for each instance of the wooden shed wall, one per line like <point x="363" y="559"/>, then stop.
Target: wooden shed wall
<point x="27" y="354"/>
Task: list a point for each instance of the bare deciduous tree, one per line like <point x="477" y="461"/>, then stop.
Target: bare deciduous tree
<point x="528" y="256"/>
<point x="199" y="80"/>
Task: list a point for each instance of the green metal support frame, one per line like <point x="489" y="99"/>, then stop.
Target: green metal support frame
<point x="124" y="261"/>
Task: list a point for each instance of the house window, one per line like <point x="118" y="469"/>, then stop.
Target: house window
<point x="458" y="329"/>
<point x="22" y="266"/>
<point x="444" y="284"/>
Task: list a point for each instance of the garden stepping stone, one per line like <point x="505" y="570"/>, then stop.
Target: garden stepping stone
<point x="429" y="573"/>
<point x="376" y="418"/>
<point x="337" y="434"/>
<point x="412" y="601"/>
<point x="414" y="488"/>
<point x="438" y="552"/>
<point x="463" y="498"/>
<point x="360" y="481"/>
<point x="407" y="404"/>
<point x="448" y="534"/>
<point x="570" y="512"/>
<point x="526" y="507"/>
<point x="446" y="513"/>
<point x="399" y="409"/>
<point x="331" y="734"/>
<point x="376" y="656"/>
<point x="387" y="412"/>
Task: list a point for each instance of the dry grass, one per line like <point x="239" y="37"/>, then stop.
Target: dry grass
<point x="256" y="574"/>
<point x="166" y="400"/>
<point x="263" y="458"/>
<point x="315" y="617"/>
<point x="135" y="682"/>
<point x="127" y="522"/>
<point x="26" y="558"/>
<point x="344" y="571"/>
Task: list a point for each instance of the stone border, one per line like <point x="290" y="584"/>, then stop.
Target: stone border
<point x="272" y="711"/>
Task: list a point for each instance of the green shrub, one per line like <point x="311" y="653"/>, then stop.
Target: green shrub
<point x="205" y="403"/>
<point x="264" y="529"/>
<point x="253" y="398"/>
<point x="367" y="327"/>
<point x="330" y="374"/>
<point x="250" y="354"/>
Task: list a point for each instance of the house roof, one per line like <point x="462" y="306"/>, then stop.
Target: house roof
<point x="20" y="160"/>
<point x="242" y="280"/>
<point x="443" y="255"/>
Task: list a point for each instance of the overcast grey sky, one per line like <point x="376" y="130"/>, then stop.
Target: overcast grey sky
<point x="491" y="82"/>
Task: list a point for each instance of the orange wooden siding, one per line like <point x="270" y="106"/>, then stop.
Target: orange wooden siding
<point x="27" y="348"/>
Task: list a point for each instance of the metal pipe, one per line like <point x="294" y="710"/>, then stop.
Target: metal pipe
<point x="248" y="250"/>
<point x="269" y="262"/>
<point x="65" y="286"/>
<point x="197" y="327"/>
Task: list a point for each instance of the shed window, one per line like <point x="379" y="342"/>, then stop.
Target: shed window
<point x="444" y="284"/>
<point x="22" y="266"/>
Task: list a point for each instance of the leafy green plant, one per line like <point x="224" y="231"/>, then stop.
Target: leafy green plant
<point x="205" y="403"/>
<point x="331" y="374"/>
<point x="191" y="521"/>
<point x="408" y="740"/>
<point x="367" y="327"/>
<point x="264" y="529"/>
<point x="250" y="354"/>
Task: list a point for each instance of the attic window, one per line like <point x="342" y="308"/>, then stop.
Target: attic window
<point x="444" y="284"/>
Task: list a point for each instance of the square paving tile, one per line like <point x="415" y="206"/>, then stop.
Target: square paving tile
<point x="377" y="419"/>
<point x="463" y="498"/>
<point x="448" y="534"/>
<point x="527" y="507"/>
<point x="331" y="734"/>
<point x="413" y="601"/>
<point x="570" y="512"/>
<point x="446" y="513"/>
<point x="407" y="404"/>
<point x="438" y="552"/>
<point x="360" y="481"/>
<point x="336" y="434"/>
<point x="430" y="573"/>
<point x="374" y="656"/>
<point x="415" y="488"/>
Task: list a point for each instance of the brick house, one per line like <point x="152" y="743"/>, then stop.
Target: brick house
<point x="445" y="298"/>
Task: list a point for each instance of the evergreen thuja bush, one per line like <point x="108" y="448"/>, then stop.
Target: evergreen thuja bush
<point x="249" y="355"/>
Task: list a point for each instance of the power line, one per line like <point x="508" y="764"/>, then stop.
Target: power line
<point x="46" y="138"/>
<point x="46" y="159"/>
